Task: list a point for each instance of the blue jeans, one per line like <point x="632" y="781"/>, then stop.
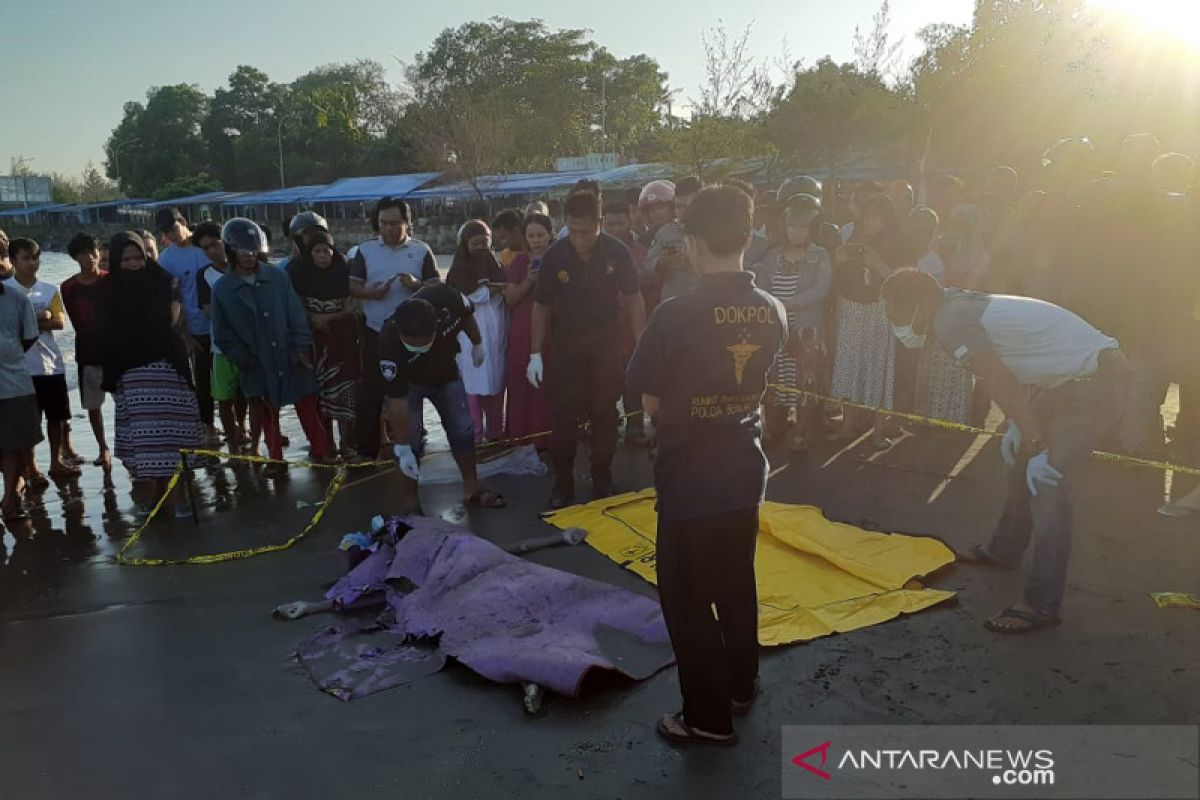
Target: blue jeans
<point x="450" y="400"/>
<point x="1074" y="417"/>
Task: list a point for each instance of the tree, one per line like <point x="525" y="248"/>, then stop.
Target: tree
<point x="875" y="53"/>
<point x="712" y="146"/>
<point x="159" y="141"/>
<point x="835" y="113"/>
<point x="735" y="84"/>
<point x="187" y="185"/>
<point x="239" y="133"/>
<point x="547" y="92"/>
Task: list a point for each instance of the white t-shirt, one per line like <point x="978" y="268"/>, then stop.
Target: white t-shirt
<point x="210" y="275"/>
<point x="1042" y="344"/>
<point x="44" y="358"/>
<point x="376" y="262"/>
<point x="932" y="263"/>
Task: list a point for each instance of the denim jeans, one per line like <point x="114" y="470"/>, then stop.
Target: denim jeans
<point x="1074" y="417"/>
<point x="450" y="401"/>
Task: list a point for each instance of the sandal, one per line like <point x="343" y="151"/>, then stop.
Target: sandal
<point x="673" y="728"/>
<point x="486" y="498"/>
<point x="977" y="555"/>
<point x="1033" y="621"/>
<point x="38" y="482"/>
<point x="1177" y="511"/>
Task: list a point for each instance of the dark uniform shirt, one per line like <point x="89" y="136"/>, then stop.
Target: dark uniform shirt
<point x="706" y="356"/>
<point x="584" y="296"/>
<point x="400" y="366"/>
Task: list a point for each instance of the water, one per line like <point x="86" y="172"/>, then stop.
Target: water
<point x="88" y="518"/>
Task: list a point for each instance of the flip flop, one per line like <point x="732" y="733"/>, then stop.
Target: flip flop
<point x="980" y="557"/>
<point x="1033" y="622"/>
<point x="673" y="728"/>
<point x="486" y="498"/>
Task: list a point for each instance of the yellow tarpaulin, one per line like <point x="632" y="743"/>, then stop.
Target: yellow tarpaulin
<point x="815" y="577"/>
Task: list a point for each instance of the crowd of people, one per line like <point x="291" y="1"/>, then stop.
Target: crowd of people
<point x="1071" y="307"/>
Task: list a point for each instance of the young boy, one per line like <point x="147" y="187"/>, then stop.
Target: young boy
<point x="44" y="360"/>
<point x="19" y="428"/>
<point x="79" y="293"/>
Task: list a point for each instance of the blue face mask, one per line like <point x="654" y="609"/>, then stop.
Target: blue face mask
<point x="412" y="348"/>
<point x="907" y="336"/>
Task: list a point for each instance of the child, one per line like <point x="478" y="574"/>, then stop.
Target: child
<point x="79" y="294"/>
<point x="44" y="360"/>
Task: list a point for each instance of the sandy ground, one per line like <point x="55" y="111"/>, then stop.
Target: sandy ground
<point x="177" y="683"/>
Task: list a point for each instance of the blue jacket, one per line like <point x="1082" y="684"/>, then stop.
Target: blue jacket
<point x="262" y="328"/>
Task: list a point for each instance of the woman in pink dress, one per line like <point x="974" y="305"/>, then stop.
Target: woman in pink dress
<point x="528" y="408"/>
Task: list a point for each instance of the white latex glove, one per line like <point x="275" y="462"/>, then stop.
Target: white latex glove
<point x="407" y="460"/>
<point x="1039" y="471"/>
<point x="477" y="355"/>
<point x="1010" y="445"/>
<point x="535" y="370"/>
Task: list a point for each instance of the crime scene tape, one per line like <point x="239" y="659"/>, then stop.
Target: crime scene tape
<point x="1115" y="458"/>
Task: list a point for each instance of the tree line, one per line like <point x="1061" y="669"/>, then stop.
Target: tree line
<point x="507" y="95"/>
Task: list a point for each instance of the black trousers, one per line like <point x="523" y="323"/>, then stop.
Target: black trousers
<point x="202" y="374"/>
<point x="585" y="379"/>
<point x="370" y="397"/>
<point x="701" y="563"/>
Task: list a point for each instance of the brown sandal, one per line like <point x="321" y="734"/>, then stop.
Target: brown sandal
<point x="673" y="728"/>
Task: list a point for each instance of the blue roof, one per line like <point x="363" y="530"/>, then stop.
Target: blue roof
<point x="123" y="201"/>
<point x="371" y="188"/>
<point x="501" y="185"/>
<point x="634" y="173"/>
<point x="22" y="212"/>
<point x="204" y="197"/>
<point x="292" y="194"/>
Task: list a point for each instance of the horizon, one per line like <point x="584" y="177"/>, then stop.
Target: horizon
<point x="54" y="139"/>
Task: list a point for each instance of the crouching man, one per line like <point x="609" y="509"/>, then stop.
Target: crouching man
<point x="1077" y="376"/>
<point x="417" y="349"/>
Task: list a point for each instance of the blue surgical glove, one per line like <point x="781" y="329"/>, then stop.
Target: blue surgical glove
<point x="1010" y="445"/>
<point x="1039" y="471"/>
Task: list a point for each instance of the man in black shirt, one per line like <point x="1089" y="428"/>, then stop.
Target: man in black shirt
<point x="584" y="279"/>
<point x="702" y="369"/>
<point x="417" y="349"/>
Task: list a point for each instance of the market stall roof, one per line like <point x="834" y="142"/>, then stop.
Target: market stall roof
<point x="139" y="202"/>
<point x="24" y="212"/>
<point x="193" y="199"/>
<point x="502" y="185"/>
<point x="292" y="194"/>
<point x="634" y="174"/>
<point x="372" y="187"/>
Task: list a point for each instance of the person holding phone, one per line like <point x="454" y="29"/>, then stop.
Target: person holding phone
<point x="476" y="273"/>
<point x="384" y="273"/>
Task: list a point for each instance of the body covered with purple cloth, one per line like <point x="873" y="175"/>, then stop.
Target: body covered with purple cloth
<point x="508" y="619"/>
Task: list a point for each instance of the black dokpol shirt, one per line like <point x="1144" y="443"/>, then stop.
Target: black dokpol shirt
<point x="706" y="356"/>
<point x="437" y="367"/>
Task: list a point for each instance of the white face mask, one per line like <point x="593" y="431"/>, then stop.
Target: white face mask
<point x="907" y="336"/>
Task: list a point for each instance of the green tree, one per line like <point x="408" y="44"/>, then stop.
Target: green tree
<point x="239" y="131"/>
<point x="835" y="114"/>
<point x="187" y="185"/>
<point x="159" y="141"/>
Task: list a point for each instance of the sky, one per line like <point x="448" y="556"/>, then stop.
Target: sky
<point x="77" y="63"/>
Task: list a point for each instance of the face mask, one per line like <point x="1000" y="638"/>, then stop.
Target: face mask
<point x="412" y="348"/>
<point x="907" y="336"/>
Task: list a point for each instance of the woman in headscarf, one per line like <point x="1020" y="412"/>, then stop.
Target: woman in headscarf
<point x="321" y="278"/>
<point x="864" y="363"/>
<point x="145" y="364"/>
<point x="477" y="274"/>
<point x="529" y="411"/>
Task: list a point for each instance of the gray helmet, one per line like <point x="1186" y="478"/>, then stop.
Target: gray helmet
<point x="241" y="235"/>
<point x="804" y="208"/>
<point x="305" y="220"/>
<point x="798" y="184"/>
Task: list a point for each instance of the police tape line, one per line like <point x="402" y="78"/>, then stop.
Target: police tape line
<point x="331" y="491"/>
<point x="1115" y="458"/>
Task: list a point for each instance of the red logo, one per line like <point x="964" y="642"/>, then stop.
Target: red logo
<point x="801" y="760"/>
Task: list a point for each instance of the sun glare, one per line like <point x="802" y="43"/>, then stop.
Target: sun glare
<point x="1177" y="19"/>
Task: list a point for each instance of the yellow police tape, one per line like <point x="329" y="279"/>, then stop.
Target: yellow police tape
<point x="339" y="478"/>
<point x="958" y="426"/>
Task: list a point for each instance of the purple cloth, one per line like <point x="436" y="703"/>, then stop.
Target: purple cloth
<point x="353" y="658"/>
<point x="508" y="619"/>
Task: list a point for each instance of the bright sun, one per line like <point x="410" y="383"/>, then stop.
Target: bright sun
<point x="1179" y="19"/>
